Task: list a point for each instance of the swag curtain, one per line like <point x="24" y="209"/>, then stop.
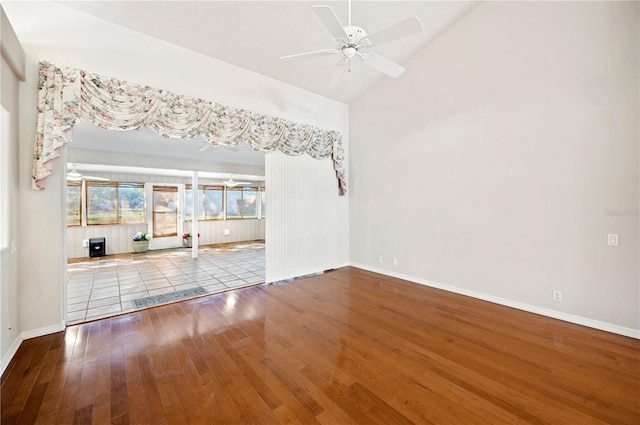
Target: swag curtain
<point x="66" y="95"/>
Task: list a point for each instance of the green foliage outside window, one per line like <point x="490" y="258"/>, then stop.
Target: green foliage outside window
<point x="115" y="203"/>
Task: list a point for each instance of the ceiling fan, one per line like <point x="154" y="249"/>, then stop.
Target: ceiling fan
<point x="352" y="41"/>
<point x="233" y="183"/>
<point x="74" y="175"/>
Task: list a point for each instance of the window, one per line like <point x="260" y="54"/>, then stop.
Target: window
<point x="115" y="203"/>
<point x="165" y="211"/>
<point x="74" y="209"/>
<point x="131" y="203"/>
<point x="210" y="203"/>
<point x="242" y="202"/>
<point x="263" y="203"/>
<point x="188" y="203"/>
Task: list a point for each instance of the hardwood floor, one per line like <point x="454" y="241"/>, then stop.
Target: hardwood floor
<point x="347" y="347"/>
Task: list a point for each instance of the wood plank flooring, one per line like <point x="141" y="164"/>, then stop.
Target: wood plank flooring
<point x="347" y="347"/>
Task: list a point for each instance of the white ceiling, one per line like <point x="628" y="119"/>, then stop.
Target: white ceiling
<point x="88" y="136"/>
<point x="252" y="35"/>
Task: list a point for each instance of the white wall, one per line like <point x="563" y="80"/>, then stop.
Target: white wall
<point x="11" y="70"/>
<point x="119" y="238"/>
<point x="304" y="214"/>
<point x="64" y="36"/>
<point x="497" y="165"/>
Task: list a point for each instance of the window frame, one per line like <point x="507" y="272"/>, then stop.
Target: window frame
<point x="162" y="188"/>
<point x="88" y="184"/>
<point x="202" y="208"/>
<point x="256" y="189"/>
<point x="75" y="183"/>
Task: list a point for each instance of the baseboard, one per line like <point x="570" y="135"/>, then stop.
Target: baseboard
<point x="10" y="353"/>
<point x="579" y="320"/>
<point x="27" y="335"/>
<point x="33" y="333"/>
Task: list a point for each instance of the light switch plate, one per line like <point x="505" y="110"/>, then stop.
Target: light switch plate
<point x="612" y="240"/>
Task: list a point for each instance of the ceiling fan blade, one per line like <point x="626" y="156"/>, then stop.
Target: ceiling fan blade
<point x="331" y="21"/>
<point x="392" y="69"/>
<point x="307" y="55"/>
<point x="404" y="28"/>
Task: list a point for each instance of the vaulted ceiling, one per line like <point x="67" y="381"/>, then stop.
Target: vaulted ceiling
<point x="254" y="34"/>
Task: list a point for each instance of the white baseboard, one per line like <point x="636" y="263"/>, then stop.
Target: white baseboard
<point x="579" y="320"/>
<point x="10" y="353"/>
<point x="33" y="333"/>
<point x="27" y="335"/>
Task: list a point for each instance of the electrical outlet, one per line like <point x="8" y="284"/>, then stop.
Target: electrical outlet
<point x="380" y="259"/>
<point x="612" y="239"/>
<point x="395" y="262"/>
<point x="557" y="296"/>
<point x="85" y="243"/>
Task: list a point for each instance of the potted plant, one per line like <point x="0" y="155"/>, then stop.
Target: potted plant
<point x="141" y="242"/>
<point x="187" y="240"/>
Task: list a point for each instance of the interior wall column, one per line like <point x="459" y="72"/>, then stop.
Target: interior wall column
<point x="196" y="211"/>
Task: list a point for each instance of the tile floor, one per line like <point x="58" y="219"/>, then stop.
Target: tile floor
<point x="105" y="286"/>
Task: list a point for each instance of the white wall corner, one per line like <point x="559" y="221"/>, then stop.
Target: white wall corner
<point x="34" y="333"/>
<point x="13" y="349"/>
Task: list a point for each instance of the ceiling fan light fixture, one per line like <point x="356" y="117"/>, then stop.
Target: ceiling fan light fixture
<point x="349" y="52"/>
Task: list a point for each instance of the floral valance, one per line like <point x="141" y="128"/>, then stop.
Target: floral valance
<point x="67" y="95"/>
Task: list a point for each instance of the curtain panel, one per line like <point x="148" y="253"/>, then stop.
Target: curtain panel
<point x="66" y="95"/>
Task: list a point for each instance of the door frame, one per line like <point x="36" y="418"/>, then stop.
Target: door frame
<point x="169" y="241"/>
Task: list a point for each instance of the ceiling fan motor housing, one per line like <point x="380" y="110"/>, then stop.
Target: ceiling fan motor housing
<point x="355" y="33"/>
<point x="351" y="47"/>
